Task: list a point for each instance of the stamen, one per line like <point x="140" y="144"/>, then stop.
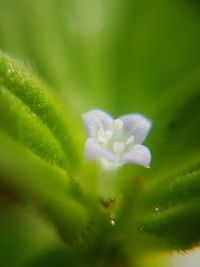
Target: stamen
<point x="118" y="147"/>
<point x="104" y="136"/>
<point x="118" y="124"/>
<point x="130" y="140"/>
<point x="109" y="135"/>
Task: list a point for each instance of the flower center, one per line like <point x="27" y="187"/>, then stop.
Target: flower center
<point x="118" y="147"/>
<point x="113" y="139"/>
<point x="104" y="137"/>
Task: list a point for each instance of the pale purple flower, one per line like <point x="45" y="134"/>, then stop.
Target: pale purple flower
<point x="115" y="142"/>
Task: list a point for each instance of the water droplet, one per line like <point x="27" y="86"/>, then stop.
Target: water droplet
<point x="112" y="219"/>
<point x="157" y="210"/>
<point x="112" y="222"/>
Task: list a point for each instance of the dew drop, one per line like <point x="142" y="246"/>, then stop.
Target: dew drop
<point x="112" y="222"/>
<point x="157" y="210"/>
<point x="112" y="219"/>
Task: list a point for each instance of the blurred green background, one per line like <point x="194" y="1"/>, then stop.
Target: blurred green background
<point x="121" y="56"/>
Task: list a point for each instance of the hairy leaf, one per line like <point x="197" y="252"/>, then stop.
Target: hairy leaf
<point x="30" y="92"/>
<point x="171" y="209"/>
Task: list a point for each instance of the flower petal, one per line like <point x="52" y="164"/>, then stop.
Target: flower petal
<point x="96" y="120"/>
<point x="140" y="155"/>
<point x="137" y="125"/>
<point x="93" y="151"/>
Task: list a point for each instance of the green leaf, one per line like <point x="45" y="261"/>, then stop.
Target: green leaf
<point x="171" y="210"/>
<point x="42" y="185"/>
<point x="177" y="226"/>
<point x="19" y="122"/>
<point x="36" y="119"/>
<point x="176" y="189"/>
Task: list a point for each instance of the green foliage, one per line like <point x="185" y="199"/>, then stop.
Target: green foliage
<point x="23" y="234"/>
<point x="121" y="56"/>
<point x="172" y="209"/>
<point x="42" y="185"/>
<point x="171" y="202"/>
<point x="19" y="122"/>
<point x="25" y="88"/>
<point x="178" y="116"/>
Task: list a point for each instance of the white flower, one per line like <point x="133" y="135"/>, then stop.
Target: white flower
<point x="115" y="142"/>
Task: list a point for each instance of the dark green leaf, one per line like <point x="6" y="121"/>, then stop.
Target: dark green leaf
<point x="44" y="186"/>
